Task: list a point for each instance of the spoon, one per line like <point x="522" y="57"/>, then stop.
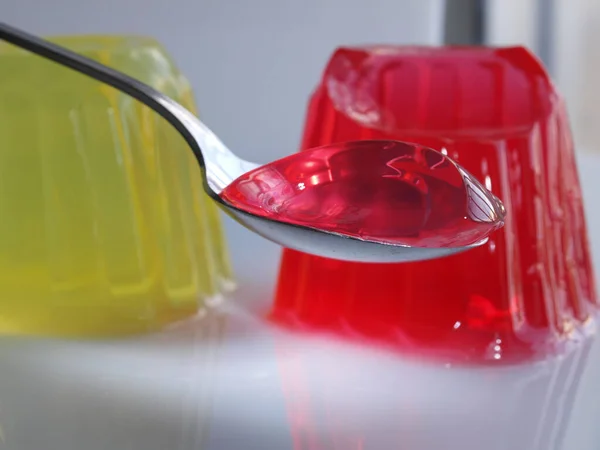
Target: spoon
<point x="221" y="169"/>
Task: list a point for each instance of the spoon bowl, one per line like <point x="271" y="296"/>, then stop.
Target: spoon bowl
<point x="338" y="246"/>
<point x="221" y="168"/>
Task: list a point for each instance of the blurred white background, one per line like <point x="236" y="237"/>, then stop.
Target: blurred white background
<point x="252" y="64"/>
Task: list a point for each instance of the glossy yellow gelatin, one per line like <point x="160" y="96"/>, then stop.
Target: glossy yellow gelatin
<point x="104" y="225"/>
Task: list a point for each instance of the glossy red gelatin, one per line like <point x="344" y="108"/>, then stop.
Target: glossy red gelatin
<point x="530" y="289"/>
<point x="384" y="191"/>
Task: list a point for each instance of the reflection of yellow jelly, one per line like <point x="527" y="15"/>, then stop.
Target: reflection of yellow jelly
<point x="104" y="226"/>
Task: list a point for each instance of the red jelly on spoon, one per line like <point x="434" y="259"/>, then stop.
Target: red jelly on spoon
<point x="382" y="191"/>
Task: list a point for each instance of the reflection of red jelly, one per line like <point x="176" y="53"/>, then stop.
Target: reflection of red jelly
<point x="385" y="191"/>
<point x="495" y="111"/>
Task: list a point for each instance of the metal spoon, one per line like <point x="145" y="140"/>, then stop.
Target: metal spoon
<point x="220" y="166"/>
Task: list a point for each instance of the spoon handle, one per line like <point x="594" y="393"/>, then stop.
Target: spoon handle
<point x="178" y="116"/>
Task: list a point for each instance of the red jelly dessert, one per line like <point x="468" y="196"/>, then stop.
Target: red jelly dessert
<point x="530" y="289"/>
<point x="383" y="191"/>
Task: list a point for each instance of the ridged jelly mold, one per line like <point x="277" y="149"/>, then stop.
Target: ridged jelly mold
<point x="104" y="225"/>
<point x="529" y="291"/>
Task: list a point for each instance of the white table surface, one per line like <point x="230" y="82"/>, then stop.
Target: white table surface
<point x="228" y="382"/>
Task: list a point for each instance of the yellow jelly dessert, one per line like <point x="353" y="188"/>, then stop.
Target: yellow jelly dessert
<point x="104" y="225"/>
